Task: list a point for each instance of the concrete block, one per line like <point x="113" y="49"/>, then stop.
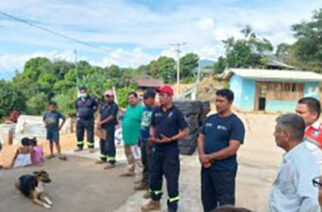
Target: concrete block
<point x="7" y="133"/>
<point x="33" y="126"/>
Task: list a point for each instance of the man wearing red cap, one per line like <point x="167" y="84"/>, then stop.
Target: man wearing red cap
<point x="167" y="127"/>
<point x="108" y="121"/>
<point x="309" y="109"/>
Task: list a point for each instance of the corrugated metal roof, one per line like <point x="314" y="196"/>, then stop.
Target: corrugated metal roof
<point x="279" y="64"/>
<point x="273" y="75"/>
<point x="149" y="83"/>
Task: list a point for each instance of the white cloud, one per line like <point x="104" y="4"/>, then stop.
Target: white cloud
<point x="126" y="58"/>
<point x="206" y="24"/>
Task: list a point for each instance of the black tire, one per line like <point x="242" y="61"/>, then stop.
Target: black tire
<point x="188" y="145"/>
<point x="193" y="112"/>
<point x="205" y="109"/>
<point x="188" y="107"/>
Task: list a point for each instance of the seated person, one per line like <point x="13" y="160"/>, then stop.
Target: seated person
<point x="37" y="155"/>
<point x="22" y="157"/>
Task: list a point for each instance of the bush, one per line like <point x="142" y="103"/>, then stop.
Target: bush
<point x="66" y="101"/>
<point x="189" y="80"/>
<point x="11" y="98"/>
<point x="37" y="104"/>
<point x="122" y="95"/>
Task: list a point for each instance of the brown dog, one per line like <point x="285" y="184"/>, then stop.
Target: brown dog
<point x="32" y="186"/>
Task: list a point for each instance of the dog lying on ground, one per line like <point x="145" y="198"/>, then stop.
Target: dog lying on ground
<point x="32" y="186"/>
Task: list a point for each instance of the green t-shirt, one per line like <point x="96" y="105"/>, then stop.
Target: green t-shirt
<point x="132" y="124"/>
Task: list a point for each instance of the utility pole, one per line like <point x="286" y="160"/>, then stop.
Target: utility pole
<point x="178" y="50"/>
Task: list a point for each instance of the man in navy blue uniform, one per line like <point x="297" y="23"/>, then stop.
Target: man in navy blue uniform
<point x="107" y="121"/>
<point x="85" y="106"/>
<point x="167" y="127"/>
<point x="218" y="143"/>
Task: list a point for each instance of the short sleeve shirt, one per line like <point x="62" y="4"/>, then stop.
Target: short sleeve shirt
<point x="146" y="122"/>
<point x="85" y="108"/>
<point x="168" y="123"/>
<point x="107" y="110"/>
<point x="52" y="119"/>
<point x="218" y="131"/>
<point x="132" y="124"/>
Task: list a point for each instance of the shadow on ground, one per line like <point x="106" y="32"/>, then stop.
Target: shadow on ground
<point x="78" y="185"/>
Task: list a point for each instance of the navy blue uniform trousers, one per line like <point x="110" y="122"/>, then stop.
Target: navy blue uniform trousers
<point x="165" y="162"/>
<point x="81" y="126"/>
<point x="217" y="188"/>
<point x="107" y="146"/>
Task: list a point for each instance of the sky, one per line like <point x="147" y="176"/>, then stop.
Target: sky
<point x="130" y="33"/>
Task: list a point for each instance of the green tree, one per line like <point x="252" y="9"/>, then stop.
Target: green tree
<point x="122" y="95"/>
<point x="113" y="71"/>
<point x="163" y="68"/>
<point x="34" y="67"/>
<point x="308" y="47"/>
<point x="11" y="98"/>
<point x="250" y="51"/>
<point x="187" y="64"/>
<point x="37" y="103"/>
<point x="66" y="101"/>
<point x="220" y="65"/>
<point x="60" y="67"/>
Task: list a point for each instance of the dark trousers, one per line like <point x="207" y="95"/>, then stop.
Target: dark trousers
<point x="165" y="163"/>
<point x="146" y="152"/>
<point x="217" y="188"/>
<point x="107" y="146"/>
<point x="81" y="126"/>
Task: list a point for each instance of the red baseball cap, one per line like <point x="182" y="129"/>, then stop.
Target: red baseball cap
<point x="165" y="89"/>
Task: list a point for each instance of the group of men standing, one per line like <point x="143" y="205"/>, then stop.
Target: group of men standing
<point x="151" y="135"/>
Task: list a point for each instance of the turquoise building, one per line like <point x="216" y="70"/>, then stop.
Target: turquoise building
<point x="271" y="90"/>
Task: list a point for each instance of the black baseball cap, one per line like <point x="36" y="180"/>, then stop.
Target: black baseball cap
<point x="83" y="87"/>
<point x="149" y="93"/>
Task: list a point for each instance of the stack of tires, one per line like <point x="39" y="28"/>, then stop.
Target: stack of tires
<point x="205" y="109"/>
<point x="195" y="113"/>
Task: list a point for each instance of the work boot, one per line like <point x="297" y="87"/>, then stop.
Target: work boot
<point x="151" y="206"/>
<point x="109" y="166"/>
<point x="143" y="185"/>
<point x="91" y="150"/>
<point x="147" y="195"/>
<point x="78" y="150"/>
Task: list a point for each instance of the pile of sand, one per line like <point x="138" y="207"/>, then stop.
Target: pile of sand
<point x="207" y="87"/>
<point x="67" y="142"/>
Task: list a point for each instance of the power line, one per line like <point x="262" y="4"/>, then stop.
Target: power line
<point x="52" y="31"/>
